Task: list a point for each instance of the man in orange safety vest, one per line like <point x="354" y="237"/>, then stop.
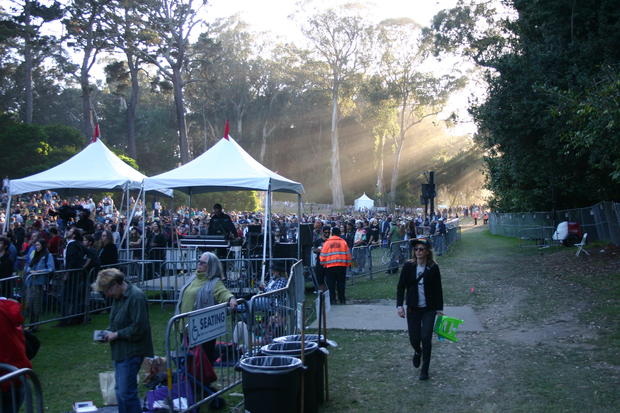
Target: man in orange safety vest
<point x="335" y="258"/>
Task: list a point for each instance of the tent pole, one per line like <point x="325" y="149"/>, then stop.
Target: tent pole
<point x="143" y="198"/>
<point x="7" y="215"/>
<point x="298" y="226"/>
<point x="126" y="227"/>
<point x="266" y="226"/>
<point x="189" y="212"/>
<point x="269" y="228"/>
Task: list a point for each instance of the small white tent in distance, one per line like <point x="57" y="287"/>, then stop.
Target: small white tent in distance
<point x="363" y="202"/>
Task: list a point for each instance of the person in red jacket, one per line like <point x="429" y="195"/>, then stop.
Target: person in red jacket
<point x="13" y="352"/>
<point x="335" y="258"/>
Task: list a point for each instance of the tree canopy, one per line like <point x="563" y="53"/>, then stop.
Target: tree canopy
<point x="549" y="123"/>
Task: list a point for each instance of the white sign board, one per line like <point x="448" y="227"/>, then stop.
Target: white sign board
<point x="300" y="316"/>
<point x="207" y="326"/>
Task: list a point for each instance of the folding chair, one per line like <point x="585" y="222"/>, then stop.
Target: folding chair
<point x="581" y="245"/>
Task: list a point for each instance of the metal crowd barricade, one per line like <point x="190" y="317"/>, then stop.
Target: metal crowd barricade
<point x="163" y="280"/>
<point x="362" y="261"/>
<point x="275" y="313"/>
<point x="24" y="389"/>
<point x="63" y="295"/>
<point x="371" y="259"/>
<point x="129" y="254"/>
<point x="202" y="350"/>
<point x="9" y="286"/>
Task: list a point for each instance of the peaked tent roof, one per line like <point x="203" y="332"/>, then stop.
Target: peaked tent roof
<point x="364" y="198"/>
<point x="95" y="167"/>
<point x="363" y="202"/>
<point x="226" y="166"/>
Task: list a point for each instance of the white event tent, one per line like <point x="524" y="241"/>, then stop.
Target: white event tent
<point x="363" y="202"/>
<point x="226" y="166"/>
<point x="95" y="167"/>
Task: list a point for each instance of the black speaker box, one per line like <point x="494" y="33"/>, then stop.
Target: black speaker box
<point x="285" y="250"/>
<point x="305" y="232"/>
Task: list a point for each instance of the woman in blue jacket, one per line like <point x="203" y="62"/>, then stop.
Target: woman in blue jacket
<point x="39" y="268"/>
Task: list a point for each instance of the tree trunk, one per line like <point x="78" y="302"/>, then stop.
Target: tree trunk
<point x="239" y="124"/>
<point x="131" y="107"/>
<point x="336" y="181"/>
<point x="177" y="83"/>
<point x="263" y="143"/>
<point x="86" y="103"/>
<point x="395" y="172"/>
<point x="380" y="171"/>
<point x="28" y="98"/>
<point x="399" y="149"/>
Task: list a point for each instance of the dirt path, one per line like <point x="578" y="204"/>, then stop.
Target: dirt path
<point x="550" y="344"/>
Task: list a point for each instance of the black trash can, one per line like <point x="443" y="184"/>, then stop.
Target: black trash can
<point x="321" y="372"/>
<point x="312" y="362"/>
<point x="271" y="383"/>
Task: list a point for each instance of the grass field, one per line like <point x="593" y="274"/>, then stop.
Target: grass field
<point x="551" y="341"/>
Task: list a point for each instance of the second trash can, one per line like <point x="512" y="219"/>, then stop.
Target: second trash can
<point x="312" y="362"/>
<point x="321" y="373"/>
<point x="271" y="383"/>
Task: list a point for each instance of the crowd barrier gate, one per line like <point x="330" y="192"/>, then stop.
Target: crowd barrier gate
<point x="24" y="388"/>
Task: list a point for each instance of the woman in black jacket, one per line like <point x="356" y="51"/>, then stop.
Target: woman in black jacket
<point x="420" y="280"/>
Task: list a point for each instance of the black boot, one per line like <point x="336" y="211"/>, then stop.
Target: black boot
<point x="416" y="359"/>
<point x="424" y="371"/>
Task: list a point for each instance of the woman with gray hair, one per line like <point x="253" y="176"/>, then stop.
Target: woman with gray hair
<point x="204" y="289"/>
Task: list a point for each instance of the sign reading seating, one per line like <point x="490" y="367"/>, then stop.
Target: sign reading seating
<point x="207" y="326"/>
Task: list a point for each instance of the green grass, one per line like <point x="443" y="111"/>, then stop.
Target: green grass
<point x="69" y="362"/>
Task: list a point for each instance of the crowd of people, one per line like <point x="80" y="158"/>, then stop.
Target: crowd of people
<point x="41" y="229"/>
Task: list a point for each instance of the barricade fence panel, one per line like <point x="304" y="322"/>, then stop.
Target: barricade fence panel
<point x="274" y="313"/>
<point x="67" y="296"/>
<point x="21" y="390"/>
<point x="202" y="350"/>
<point x="600" y="221"/>
<point x="10" y="286"/>
<point x="204" y="346"/>
<point x="374" y="258"/>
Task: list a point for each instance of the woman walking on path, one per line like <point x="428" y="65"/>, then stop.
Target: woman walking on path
<point x="421" y="281"/>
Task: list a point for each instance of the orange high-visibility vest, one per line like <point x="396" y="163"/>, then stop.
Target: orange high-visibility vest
<point x="335" y="253"/>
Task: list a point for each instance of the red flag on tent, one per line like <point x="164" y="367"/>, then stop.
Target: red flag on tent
<point x="226" y="129"/>
<point x="95" y="133"/>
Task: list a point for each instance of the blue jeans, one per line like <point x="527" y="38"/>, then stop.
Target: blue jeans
<point x="127" y="385"/>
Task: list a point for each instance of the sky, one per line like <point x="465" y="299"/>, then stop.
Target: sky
<point x="272" y="15"/>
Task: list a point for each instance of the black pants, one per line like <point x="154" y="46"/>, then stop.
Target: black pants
<point x="336" y="280"/>
<point x="420" y="322"/>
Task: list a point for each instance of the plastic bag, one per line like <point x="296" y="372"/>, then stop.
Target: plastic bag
<point x="107" y="382"/>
